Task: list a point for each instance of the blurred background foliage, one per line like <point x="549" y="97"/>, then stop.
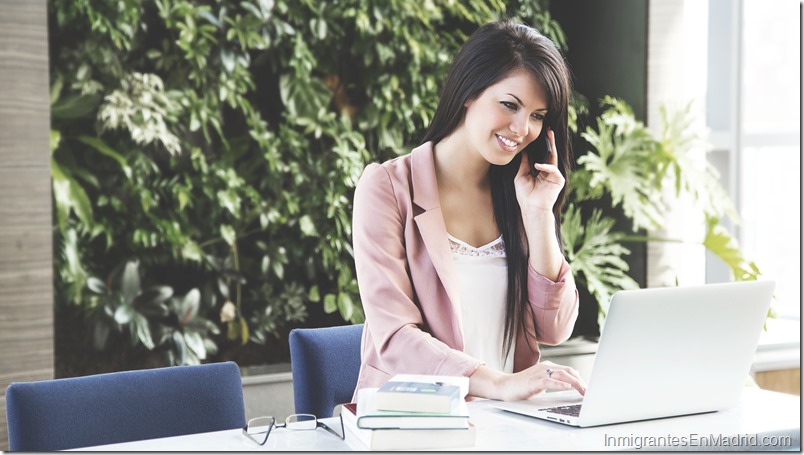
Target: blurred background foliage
<point x="205" y="153"/>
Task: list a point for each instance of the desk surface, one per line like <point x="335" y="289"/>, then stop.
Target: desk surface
<point x="765" y="420"/>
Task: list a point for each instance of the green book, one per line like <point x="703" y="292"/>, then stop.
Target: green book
<point x="425" y="397"/>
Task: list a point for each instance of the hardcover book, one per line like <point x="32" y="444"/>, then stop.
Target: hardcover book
<point x="398" y="439"/>
<point x="369" y="417"/>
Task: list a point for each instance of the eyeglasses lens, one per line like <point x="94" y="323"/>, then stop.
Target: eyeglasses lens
<point x="301" y="422"/>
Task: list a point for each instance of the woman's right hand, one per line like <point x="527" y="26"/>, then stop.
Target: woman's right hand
<point x="489" y="383"/>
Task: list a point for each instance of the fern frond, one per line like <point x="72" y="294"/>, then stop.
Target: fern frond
<point x="596" y="255"/>
<point x="624" y="165"/>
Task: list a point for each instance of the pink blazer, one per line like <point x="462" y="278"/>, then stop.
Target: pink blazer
<point x="408" y="285"/>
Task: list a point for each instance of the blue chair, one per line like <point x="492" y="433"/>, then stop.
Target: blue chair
<point x="124" y="406"/>
<point x="324" y="363"/>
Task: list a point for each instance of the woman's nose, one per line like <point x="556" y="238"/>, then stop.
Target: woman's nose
<point x="519" y="126"/>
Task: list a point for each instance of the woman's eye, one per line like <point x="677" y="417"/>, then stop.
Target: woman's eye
<point x="508" y="105"/>
<point x="538" y="117"/>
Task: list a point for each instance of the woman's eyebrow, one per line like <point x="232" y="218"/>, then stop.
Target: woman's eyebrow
<point x="523" y="104"/>
<point x="517" y="98"/>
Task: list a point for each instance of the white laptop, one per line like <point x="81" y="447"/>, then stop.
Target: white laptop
<point x="665" y="352"/>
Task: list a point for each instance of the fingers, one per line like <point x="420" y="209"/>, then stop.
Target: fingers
<point x="551" y="160"/>
<point x="550" y="173"/>
<point x="549" y="169"/>
<point x="562" y="377"/>
<point x="568" y="378"/>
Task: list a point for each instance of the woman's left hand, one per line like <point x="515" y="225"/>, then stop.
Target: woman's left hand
<point x="538" y="194"/>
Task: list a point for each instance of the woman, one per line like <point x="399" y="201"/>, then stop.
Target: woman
<point x="457" y="245"/>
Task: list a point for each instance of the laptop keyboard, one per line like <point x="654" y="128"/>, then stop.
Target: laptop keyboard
<point x="573" y="410"/>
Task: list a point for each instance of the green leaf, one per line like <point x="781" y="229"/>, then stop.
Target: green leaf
<point x="96" y="285"/>
<point x="223" y="288"/>
<point x="319" y="28"/>
<point x="69" y="196"/>
<point x="61" y="197"/>
<point x="724" y="246"/>
<point x="228" y="233"/>
<point x="80" y="203"/>
<point x="124" y="314"/>
<point x="142" y="330"/>
<point x="279" y="269"/>
<point x="303" y="97"/>
<point x="189" y="306"/>
<point x="154" y="295"/>
<point x="154" y="310"/>
<point x="685" y="148"/>
<point x="253" y="10"/>
<point x="130" y="285"/>
<point x="244" y="334"/>
<point x="196" y="344"/>
<point x="55" y="140"/>
<point x="307" y="226"/>
<point x="313" y="294"/>
<point x="184" y="200"/>
<point x="345" y="306"/>
<point x="228" y="60"/>
<point x="210" y="18"/>
<point x="233" y="330"/>
<point x="55" y="88"/>
<point x="191" y="251"/>
<point x="104" y="149"/>
<point x="230" y="201"/>
<point x="75" y="106"/>
<point x="266" y="7"/>
<point x="330" y="303"/>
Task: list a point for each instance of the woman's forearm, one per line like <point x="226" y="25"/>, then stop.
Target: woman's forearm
<point x="545" y="254"/>
<point x="486" y="382"/>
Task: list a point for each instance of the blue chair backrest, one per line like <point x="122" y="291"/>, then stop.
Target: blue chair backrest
<point x="124" y="406"/>
<point x="325" y="363"/>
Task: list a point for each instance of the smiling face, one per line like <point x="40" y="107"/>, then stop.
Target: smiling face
<point x="505" y="117"/>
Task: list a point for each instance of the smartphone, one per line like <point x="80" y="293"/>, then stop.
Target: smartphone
<point x="539" y="151"/>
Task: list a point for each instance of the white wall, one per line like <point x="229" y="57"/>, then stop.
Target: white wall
<point x="677" y="53"/>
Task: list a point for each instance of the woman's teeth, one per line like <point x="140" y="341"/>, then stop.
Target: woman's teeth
<point x="507" y="142"/>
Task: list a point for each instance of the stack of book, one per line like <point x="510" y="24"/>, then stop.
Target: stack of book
<point x="410" y="412"/>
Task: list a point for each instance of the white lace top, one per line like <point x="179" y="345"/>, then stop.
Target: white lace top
<point x="483" y="279"/>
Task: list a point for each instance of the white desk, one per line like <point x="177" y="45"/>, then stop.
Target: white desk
<point x="761" y="414"/>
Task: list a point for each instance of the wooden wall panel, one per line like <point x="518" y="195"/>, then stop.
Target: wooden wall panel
<point x="785" y="381"/>
<point x="26" y="257"/>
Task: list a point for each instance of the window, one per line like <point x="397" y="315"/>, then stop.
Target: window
<point x="769" y="178"/>
<point x="753" y="100"/>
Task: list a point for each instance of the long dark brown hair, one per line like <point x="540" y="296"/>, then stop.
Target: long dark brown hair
<point x="493" y="52"/>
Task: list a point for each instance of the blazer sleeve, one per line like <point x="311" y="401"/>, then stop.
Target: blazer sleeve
<point x="387" y="293"/>
<point x="554" y="304"/>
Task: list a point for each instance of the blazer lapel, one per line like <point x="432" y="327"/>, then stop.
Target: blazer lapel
<point x="432" y="229"/>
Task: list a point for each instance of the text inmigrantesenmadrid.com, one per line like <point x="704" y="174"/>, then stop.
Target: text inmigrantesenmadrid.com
<point x="697" y="440"/>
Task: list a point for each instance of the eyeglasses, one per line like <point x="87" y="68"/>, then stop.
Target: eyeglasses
<point x="259" y="428"/>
